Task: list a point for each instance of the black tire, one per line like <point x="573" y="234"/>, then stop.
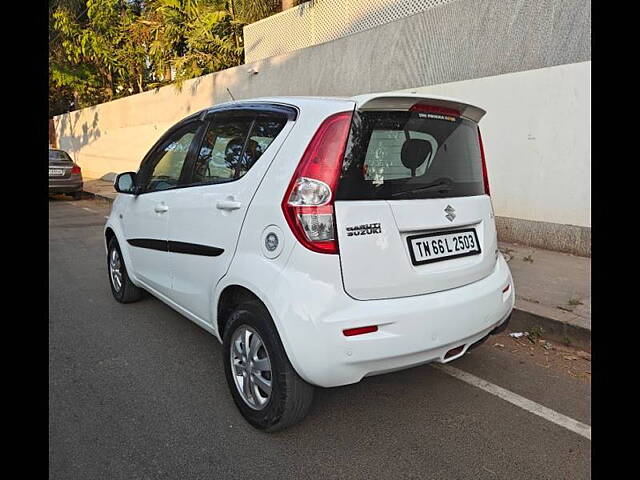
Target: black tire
<point x="128" y="292"/>
<point x="290" y="397"/>
<point x="77" y="195"/>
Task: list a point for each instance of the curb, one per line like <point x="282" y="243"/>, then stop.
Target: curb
<point x="100" y="197"/>
<point x="552" y="329"/>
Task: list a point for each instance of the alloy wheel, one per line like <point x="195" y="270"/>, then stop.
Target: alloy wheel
<point x="251" y="367"/>
<point x="115" y="269"/>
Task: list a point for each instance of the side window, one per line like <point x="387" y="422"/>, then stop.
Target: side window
<point x="166" y="165"/>
<point x="221" y="153"/>
<point x="232" y="146"/>
<point x="264" y="131"/>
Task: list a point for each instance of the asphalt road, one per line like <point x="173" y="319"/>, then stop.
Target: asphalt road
<point x="138" y="392"/>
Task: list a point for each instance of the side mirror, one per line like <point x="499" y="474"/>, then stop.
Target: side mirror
<point x="125" y="183"/>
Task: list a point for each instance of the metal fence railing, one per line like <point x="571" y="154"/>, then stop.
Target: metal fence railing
<point x="320" y="21"/>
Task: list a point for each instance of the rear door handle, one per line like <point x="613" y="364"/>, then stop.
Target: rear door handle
<point x="161" y="208"/>
<point x="228" y="205"/>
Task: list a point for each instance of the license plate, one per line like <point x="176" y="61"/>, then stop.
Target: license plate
<point x="56" y="172"/>
<point x="434" y="247"/>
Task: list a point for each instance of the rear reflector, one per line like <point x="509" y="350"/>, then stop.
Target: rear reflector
<point x="454" y="351"/>
<point x="350" y="332"/>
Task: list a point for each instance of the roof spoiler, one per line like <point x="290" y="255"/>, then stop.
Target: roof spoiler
<point x="402" y="102"/>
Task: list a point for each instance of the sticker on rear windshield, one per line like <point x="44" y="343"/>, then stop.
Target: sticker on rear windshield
<point x="437" y="116"/>
<point x="366" y="229"/>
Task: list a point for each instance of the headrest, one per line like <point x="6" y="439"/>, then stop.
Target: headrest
<point x="414" y="153"/>
<point x="234" y="149"/>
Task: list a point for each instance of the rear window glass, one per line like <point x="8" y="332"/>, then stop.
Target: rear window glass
<point x="410" y="155"/>
<point x="58" y="155"/>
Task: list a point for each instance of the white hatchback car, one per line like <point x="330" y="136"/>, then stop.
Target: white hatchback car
<point x="321" y="240"/>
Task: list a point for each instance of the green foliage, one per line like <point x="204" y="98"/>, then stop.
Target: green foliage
<point x="100" y="50"/>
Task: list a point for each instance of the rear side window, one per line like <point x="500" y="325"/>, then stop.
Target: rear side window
<point x="231" y="146"/>
<point x="410" y="155"/>
<point x="221" y="155"/>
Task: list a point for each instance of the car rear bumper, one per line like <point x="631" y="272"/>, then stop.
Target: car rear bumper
<point x="66" y="185"/>
<point x="411" y="330"/>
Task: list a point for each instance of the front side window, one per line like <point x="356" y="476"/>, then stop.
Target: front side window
<point x="169" y="159"/>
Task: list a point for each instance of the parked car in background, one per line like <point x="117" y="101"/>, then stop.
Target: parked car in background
<point x="65" y="176"/>
<point x="321" y="240"/>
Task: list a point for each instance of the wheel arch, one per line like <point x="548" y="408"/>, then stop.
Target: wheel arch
<point x="108" y="235"/>
<point x="111" y="231"/>
<point x="231" y="295"/>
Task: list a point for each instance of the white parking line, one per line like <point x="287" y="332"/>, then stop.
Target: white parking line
<point x="524" y="403"/>
<point x="89" y="209"/>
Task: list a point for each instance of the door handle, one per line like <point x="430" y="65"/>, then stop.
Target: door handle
<point x="161" y="208"/>
<point x="228" y="205"/>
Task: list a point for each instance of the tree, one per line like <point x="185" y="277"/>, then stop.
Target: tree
<point x="100" y="50"/>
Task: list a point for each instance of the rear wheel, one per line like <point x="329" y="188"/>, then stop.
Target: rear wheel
<point x="77" y="195"/>
<point x="266" y="389"/>
<point x="122" y="287"/>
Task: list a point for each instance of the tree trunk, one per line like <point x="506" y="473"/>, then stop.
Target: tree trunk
<point x="52" y="134"/>
<point x="288" y="4"/>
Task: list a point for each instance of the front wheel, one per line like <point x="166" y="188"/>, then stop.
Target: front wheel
<point x="122" y="287"/>
<point x="266" y="389"/>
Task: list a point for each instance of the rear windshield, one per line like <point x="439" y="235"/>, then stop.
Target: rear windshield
<point x="410" y="155"/>
<point x="58" y="155"/>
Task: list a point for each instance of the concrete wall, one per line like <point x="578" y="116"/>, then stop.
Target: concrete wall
<point x="527" y="63"/>
<point x="114" y="136"/>
<point x="537" y="140"/>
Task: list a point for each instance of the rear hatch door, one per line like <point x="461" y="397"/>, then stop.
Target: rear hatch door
<point x="412" y="211"/>
<point x="60" y="164"/>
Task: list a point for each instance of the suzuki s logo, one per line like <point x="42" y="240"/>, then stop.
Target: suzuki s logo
<point x="450" y="213"/>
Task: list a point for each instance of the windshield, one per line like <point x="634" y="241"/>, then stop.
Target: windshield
<point x="410" y="155"/>
<point x="58" y="156"/>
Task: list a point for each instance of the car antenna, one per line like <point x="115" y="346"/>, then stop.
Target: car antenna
<point x="230" y="94"/>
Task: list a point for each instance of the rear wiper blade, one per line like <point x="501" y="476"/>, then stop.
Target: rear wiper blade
<point x="444" y="183"/>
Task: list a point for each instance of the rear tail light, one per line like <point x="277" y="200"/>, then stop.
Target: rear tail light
<point x="485" y="176"/>
<point x="308" y="203"/>
<point x="75" y="170"/>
